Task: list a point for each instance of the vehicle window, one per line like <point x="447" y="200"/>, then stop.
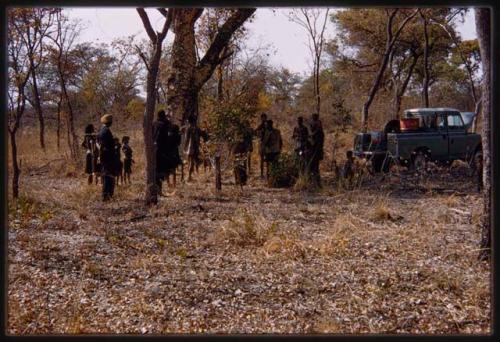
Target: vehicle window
<point x="455" y="122"/>
<point x="440" y="122"/>
<point x="429" y="121"/>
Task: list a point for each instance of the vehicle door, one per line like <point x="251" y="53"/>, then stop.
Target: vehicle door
<point x="457" y="135"/>
<point x="438" y="138"/>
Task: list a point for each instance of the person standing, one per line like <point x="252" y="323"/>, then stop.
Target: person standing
<point x="260" y="132"/>
<point x="240" y="158"/>
<point x="118" y="162"/>
<point x="127" y="160"/>
<point x="160" y="140"/>
<point x="106" y="143"/>
<point x="317" y="138"/>
<point x="272" y="144"/>
<point x="173" y="143"/>
<point x="301" y="141"/>
<point x="91" y="156"/>
<point x="192" y="145"/>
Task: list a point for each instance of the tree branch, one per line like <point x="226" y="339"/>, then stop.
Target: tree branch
<point x="147" y="24"/>
<point x="207" y="64"/>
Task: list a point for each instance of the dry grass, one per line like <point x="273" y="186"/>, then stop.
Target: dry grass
<point x="381" y="257"/>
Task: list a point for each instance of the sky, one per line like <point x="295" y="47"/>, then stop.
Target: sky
<point x="285" y="41"/>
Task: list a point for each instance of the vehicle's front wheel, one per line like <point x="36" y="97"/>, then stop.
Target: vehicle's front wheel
<point x="477" y="161"/>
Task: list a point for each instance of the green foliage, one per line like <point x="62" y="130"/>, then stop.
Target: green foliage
<point x="229" y="120"/>
<point x="284" y="171"/>
<point x="135" y="108"/>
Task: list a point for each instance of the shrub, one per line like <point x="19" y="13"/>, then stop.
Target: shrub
<point x="284" y="171"/>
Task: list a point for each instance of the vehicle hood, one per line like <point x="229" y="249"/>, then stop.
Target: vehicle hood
<point x="468" y="118"/>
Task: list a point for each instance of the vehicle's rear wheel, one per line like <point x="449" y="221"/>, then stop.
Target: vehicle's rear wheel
<point x="419" y="161"/>
<point x="377" y="161"/>
<point x="387" y="163"/>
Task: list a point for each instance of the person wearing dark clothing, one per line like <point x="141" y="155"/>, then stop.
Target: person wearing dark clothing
<point x="248" y="142"/>
<point x="272" y="144"/>
<point x="192" y="136"/>
<point x="127" y="160"/>
<point x="260" y="132"/>
<point x="240" y="156"/>
<point x="348" y="168"/>
<point x="174" y="141"/>
<point x="92" y="153"/>
<point x="317" y="139"/>
<point x="118" y="161"/>
<point x="107" y="157"/>
<point x="164" y="159"/>
<point x="301" y="141"/>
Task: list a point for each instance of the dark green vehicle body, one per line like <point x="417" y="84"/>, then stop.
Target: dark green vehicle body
<point x="442" y="137"/>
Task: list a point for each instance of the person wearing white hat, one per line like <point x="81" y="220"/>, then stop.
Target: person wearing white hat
<point x="107" y="148"/>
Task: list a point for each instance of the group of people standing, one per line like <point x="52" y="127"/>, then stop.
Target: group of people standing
<point x="308" y="141"/>
<point x="103" y="158"/>
<point x="167" y="138"/>
<point x="104" y="151"/>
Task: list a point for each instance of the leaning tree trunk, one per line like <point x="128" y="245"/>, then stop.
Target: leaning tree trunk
<point x="400" y="91"/>
<point x="425" y="86"/>
<point x="391" y="40"/>
<point x="15" y="167"/>
<point x="483" y="29"/>
<point x="73" y="144"/>
<point x="38" y="108"/>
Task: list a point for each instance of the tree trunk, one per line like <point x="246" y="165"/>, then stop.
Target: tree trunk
<point x="73" y="143"/>
<point x="400" y="91"/>
<point x="58" y="130"/>
<point x="147" y="125"/>
<point x="425" y="86"/>
<point x="477" y="110"/>
<point x="218" y="177"/>
<point x="220" y="85"/>
<point x="187" y="76"/>
<point x="316" y="86"/>
<point x="391" y="40"/>
<point x="483" y="29"/>
<point x="15" y="167"/>
<point x="180" y="82"/>
<point x="38" y="108"/>
<point x="156" y="39"/>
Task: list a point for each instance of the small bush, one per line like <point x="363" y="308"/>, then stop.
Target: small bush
<point x="284" y="172"/>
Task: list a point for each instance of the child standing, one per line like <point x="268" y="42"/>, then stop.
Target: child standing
<point x="127" y="161"/>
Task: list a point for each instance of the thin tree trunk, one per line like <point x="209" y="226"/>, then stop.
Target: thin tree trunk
<point x="147" y="126"/>
<point x="153" y="66"/>
<point x="72" y="141"/>
<point x="218" y="178"/>
<point x="220" y="85"/>
<point x="400" y="91"/>
<point x="391" y="40"/>
<point x="483" y="29"/>
<point x="58" y="130"/>
<point x="38" y="108"/>
<point x="15" y="167"/>
<point x="68" y="136"/>
<point x="318" y="98"/>
<point x="425" y="87"/>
